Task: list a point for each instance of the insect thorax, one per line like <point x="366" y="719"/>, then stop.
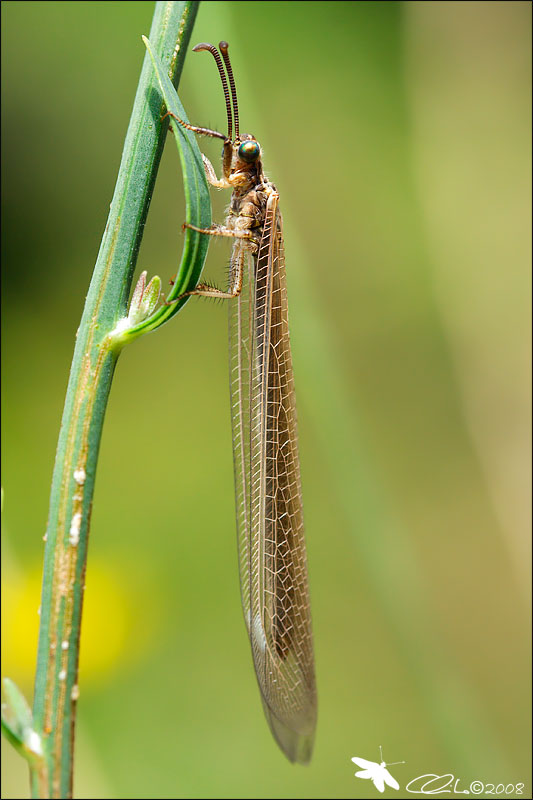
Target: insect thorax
<point x="247" y="209"/>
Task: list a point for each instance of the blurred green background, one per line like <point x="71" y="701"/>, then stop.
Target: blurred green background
<point x="398" y="135"/>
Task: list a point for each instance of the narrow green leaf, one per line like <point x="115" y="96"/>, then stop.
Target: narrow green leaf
<point x="197" y="203"/>
<point x="137" y="296"/>
<point x="151" y="296"/>
<point x="17" y="711"/>
<point x="13" y="736"/>
<point x="17" y="723"/>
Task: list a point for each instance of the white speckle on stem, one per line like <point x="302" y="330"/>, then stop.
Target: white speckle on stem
<point x="33" y="742"/>
<point x="74" y="533"/>
<point x="75" y="692"/>
<point x="62" y="675"/>
<point x="80" y="476"/>
<point x="45" y="537"/>
<point x="122" y="325"/>
<point x="64" y="645"/>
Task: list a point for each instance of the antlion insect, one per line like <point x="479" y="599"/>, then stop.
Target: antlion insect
<point x="272" y="558"/>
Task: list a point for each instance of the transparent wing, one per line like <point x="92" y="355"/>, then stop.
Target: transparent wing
<point x="272" y="558"/>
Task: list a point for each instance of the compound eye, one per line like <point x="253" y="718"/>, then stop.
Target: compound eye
<point x="249" y="151"/>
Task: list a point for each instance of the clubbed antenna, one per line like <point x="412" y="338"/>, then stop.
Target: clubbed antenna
<point x="224" y="50"/>
<point x="216" y="55"/>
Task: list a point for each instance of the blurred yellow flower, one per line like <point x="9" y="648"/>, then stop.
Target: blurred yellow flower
<point x="111" y="635"/>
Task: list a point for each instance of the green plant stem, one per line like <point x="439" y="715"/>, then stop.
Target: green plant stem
<point x="93" y="364"/>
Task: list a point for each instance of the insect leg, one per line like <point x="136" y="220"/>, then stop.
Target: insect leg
<point x="223" y="183"/>
<point x="226" y="158"/>
<point x="195" y="128"/>
<point x="235" y="281"/>
<point x="220" y="230"/>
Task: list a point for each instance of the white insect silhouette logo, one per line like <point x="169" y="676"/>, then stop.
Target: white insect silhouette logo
<point x="377" y="773"/>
